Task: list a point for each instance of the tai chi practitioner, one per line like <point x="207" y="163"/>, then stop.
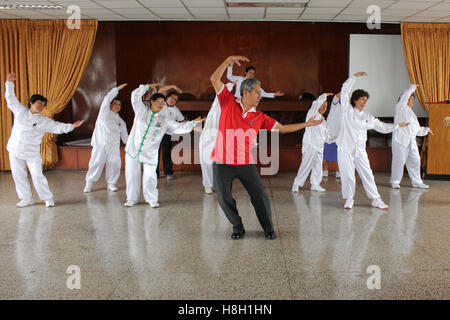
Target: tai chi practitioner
<point x="334" y="121"/>
<point x="351" y="143"/>
<point x="142" y="147"/>
<point x="250" y="73"/>
<point x="404" y="145"/>
<point x="239" y="124"/>
<point x="172" y="94"/>
<point x="109" y="130"/>
<point x="312" y="148"/>
<point x="207" y="140"/>
<point x="24" y="144"/>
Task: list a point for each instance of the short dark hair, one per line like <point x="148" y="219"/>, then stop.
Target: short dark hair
<point x="155" y="96"/>
<point x="173" y="93"/>
<point x="36" y="97"/>
<point x="116" y="98"/>
<point x="250" y="68"/>
<point x="358" y="93"/>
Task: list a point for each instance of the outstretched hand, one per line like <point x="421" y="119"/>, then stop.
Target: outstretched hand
<point x="360" y="74"/>
<point x="11" y="77"/>
<point x="312" y="122"/>
<point x="199" y="119"/>
<point x="403" y="124"/>
<point x="154" y="85"/>
<point x="279" y="94"/>
<point x="429" y="131"/>
<point x="77" y="123"/>
<point x="123" y="85"/>
<point x="236" y="59"/>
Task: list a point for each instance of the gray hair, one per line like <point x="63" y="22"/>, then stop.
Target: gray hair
<point x="248" y="84"/>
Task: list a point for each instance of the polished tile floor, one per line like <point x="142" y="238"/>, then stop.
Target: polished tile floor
<point x="183" y="249"/>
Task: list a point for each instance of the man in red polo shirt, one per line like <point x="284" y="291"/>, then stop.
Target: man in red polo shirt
<point x="238" y="126"/>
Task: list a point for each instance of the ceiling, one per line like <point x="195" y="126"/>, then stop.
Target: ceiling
<point x="392" y="11"/>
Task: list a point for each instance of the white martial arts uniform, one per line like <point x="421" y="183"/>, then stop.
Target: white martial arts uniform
<point x="173" y="113"/>
<point x="24" y="146"/>
<point x="208" y="139"/>
<point x="239" y="79"/>
<point x="312" y="148"/>
<point x="404" y="145"/>
<point x="351" y="143"/>
<point x="334" y="118"/>
<point x="143" y="145"/>
<point x="109" y="129"/>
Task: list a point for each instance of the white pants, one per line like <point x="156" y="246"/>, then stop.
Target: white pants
<point x="207" y="175"/>
<point x="311" y="162"/>
<point x="133" y="180"/>
<point x="20" y="176"/>
<point x="206" y="146"/>
<point x="100" y="157"/>
<point x="358" y="160"/>
<point x="408" y="155"/>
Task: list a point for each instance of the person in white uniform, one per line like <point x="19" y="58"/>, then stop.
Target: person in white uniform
<point x="142" y="147"/>
<point x="334" y="120"/>
<point x="24" y="144"/>
<point x="404" y="145"/>
<point x="312" y="149"/>
<point x="351" y="143"/>
<point x="250" y="73"/>
<point x="207" y="141"/>
<point x="173" y="113"/>
<point x="109" y="130"/>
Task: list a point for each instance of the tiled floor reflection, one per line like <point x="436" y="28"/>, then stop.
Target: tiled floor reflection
<point x="183" y="249"/>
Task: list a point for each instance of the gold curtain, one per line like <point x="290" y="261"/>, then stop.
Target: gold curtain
<point x="57" y="57"/>
<point x="13" y="58"/>
<point x="426" y="47"/>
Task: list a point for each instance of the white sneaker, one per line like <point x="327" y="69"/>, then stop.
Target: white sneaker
<point x="325" y="173"/>
<point x="317" y="188"/>
<point x="129" y="203"/>
<point x="169" y="177"/>
<point x="25" y="203"/>
<point x="208" y="190"/>
<point x="154" y="204"/>
<point x="49" y="203"/>
<point x="88" y="187"/>
<point x="112" y="187"/>
<point x="420" y="185"/>
<point x="348" y="204"/>
<point x="378" y="203"/>
<point x="294" y="188"/>
<point x="338" y="174"/>
<point x="395" y="186"/>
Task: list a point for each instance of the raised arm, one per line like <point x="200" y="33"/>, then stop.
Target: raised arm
<point x="402" y="104"/>
<point x="11" y="100"/>
<point x="106" y="103"/>
<point x="216" y="77"/>
<point x="165" y="89"/>
<point x="230" y="75"/>
<point x="347" y="89"/>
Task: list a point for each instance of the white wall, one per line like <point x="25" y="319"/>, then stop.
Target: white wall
<point x="381" y="56"/>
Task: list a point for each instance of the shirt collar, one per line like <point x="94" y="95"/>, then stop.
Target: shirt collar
<point x="244" y="114"/>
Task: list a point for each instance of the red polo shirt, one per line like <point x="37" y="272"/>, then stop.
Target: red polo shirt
<point x="237" y="131"/>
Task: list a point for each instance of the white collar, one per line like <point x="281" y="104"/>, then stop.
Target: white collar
<point x="244" y="114"/>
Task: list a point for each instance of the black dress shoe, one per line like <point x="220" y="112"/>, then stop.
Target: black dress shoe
<point x="236" y="235"/>
<point x="270" y="235"/>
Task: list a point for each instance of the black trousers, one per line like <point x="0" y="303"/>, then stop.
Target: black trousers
<point x="224" y="175"/>
<point x="166" y="147"/>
